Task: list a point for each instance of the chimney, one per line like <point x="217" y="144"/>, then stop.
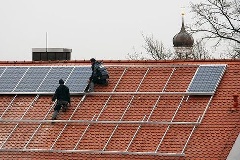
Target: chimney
<point x="235" y="102"/>
<point x="51" y="54"/>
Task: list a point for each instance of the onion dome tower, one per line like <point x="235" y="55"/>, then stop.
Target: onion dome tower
<point x="183" y="43"/>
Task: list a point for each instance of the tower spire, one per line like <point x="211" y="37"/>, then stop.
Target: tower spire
<point x="183" y="27"/>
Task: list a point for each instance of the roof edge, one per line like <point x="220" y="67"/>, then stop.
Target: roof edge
<point x="118" y="61"/>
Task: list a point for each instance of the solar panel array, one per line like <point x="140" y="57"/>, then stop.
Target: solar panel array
<point x="44" y="79"/>
<point x="207" y="78"/>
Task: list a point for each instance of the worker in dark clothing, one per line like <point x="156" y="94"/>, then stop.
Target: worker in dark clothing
<point x="62" y="95"/>
<point x="99" y="75"/>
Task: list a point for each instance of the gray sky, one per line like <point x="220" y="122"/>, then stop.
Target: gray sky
<point x="104" y="29"/>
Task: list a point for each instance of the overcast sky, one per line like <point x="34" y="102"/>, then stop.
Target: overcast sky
<point x="104" y="29"/>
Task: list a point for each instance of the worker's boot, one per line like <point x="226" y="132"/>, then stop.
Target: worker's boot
<point x="54" y="116"/>
<point x="106" y="83"/>
<point x="64" y="108"/>
<point x="91" y="87"/>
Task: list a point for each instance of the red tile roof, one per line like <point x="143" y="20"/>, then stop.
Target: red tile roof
<point x="126" y="126"/>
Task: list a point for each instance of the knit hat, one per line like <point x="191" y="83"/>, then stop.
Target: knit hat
<point x="61" y="81"/>
<point x="92" y="60"/>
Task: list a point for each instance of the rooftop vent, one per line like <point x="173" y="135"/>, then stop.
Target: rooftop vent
<point x="51" y="54"/>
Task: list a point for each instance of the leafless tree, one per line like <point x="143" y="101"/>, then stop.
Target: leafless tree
<point x="156" y="49"/>
<point x="136" y="55"/>
<point x="219" y="20"/>
<point x="197" y="51"/>
<point x="200" y="51"/>
<point x="232" y="51"/>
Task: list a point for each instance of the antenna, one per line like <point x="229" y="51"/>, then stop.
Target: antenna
<point x="46" y="42"/>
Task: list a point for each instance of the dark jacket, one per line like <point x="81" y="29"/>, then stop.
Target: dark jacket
<point x="95" y="71"/>
<point x="99" y="71"/>
<point x="62" y="93"/>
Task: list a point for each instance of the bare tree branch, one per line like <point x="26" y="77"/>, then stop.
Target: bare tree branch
<point x="156" y="49"/>
<point x="218" y="19"/>
<point x="200" y="51"/>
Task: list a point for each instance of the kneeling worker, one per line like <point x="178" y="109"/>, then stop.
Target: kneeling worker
<point x="62" y="95"/>
<point x="99" y="75"/>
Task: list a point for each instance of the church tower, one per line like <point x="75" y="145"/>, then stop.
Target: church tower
<point x="183" y="43"/>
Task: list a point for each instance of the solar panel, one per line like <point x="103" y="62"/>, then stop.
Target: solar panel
<point x="76" y="82"/>
<point x="50" y="82"/>
<point x="11" y="77"/>
<point x="42" y="79"/>
<point x="32" y="79"/>
<point x="206" y="78"/>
